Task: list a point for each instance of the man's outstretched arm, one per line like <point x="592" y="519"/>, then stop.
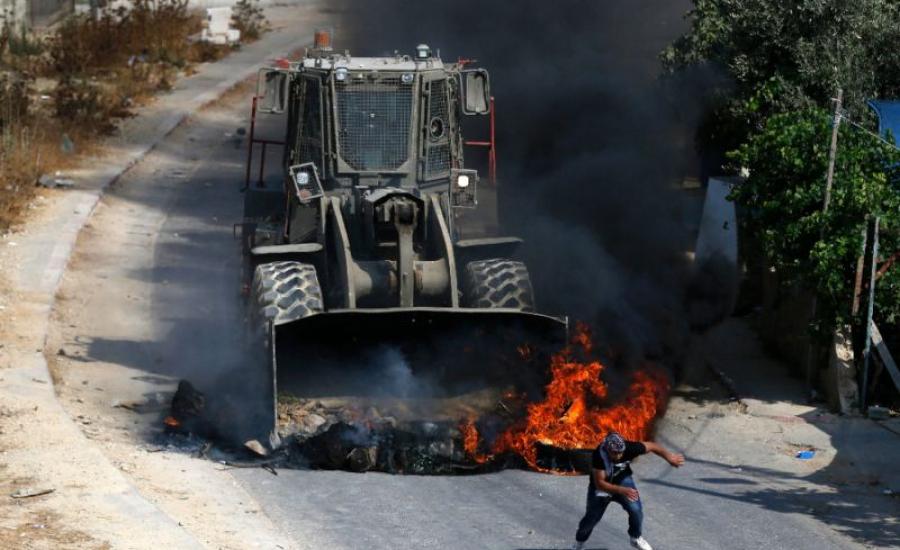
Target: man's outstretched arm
<point x="675" y="459"/>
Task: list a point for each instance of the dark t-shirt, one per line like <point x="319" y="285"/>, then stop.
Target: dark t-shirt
<point x="622" y="468"/>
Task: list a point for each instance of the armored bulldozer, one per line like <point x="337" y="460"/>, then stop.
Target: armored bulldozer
<point x="359" y="244"/>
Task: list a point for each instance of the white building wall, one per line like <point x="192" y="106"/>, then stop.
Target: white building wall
<point x="35" y="13"/>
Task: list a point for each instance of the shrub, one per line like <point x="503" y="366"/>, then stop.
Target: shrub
<point x="248" y="18"/>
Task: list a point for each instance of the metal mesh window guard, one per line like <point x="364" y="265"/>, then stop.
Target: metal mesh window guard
<point x="438" y="154"/>
<point x="374" y="120"/>
<point x="438" y="160"/>
<point x="311" y="133"/>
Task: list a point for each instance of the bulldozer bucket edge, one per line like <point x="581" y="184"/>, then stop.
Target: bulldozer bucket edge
<point x="359" y="352"/>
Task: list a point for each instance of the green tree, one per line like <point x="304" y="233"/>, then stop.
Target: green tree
<point x="781" y="56"/>
<point x="783" y="198"/>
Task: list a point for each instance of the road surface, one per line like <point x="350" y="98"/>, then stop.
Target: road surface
<point x="152" y="296"/>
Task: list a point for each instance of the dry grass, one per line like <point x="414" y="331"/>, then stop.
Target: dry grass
<point x="101" y="69"/>
<point x="154" y="31"/>
<point x="249" y="19"/>
<point x="29" y="147"/>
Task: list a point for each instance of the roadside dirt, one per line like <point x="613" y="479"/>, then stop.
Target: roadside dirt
<point x="43" y="531"/>
<point x="119" y="407"/>
<point x="36" y="525"/>
<point x="28" y="522"/>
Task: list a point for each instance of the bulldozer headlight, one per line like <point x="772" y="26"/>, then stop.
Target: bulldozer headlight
<point x="406" y="78"/>
<point x="302" y="178"/>
<point x="463" y="185"/>
<point x="340" y="74"/>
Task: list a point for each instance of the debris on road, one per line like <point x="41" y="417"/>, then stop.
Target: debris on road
<point x="806" y="455"/>
<point x="28" y="493"/>
<point x="877" y="412"/>
<point x="256" y="447"/>
<point x="66" y="145"/>
<point x="362" y="459"/>
<point x="564" y="460"/>
<point x="56" y="181"/>
<point x="410" y="448"/>
<point x="188" y="408"/>
<point x="131" y="406"/>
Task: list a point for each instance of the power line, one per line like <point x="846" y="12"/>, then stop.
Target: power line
<point x="858" y="126"/>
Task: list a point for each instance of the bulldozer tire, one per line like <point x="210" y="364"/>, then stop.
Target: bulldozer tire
<point x="498" y="283"/>
<point x="286" y="291"/>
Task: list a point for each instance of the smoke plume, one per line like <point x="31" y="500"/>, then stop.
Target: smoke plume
<point x="591" y="144"/>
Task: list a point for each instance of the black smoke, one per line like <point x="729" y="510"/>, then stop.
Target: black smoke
<point x="591" y="145"/>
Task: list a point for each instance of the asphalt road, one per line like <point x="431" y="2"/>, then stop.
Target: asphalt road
<point x="173" y="215"/>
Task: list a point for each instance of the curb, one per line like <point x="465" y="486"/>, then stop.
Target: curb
<point x="85" y="208"/>
<point x="48" y="246"/>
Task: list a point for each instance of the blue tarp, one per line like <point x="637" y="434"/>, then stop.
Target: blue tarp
<point x="888" y="116"/>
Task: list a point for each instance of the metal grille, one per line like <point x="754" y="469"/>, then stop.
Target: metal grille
<point x="438" y="154"/>
<point x="438" y="159"/>
<point x="311" y="130"/>
<point x="374" y="120"/>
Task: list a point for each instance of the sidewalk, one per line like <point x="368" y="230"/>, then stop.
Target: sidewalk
<point x="852" y="482"/>
<point x="41" y="447"/>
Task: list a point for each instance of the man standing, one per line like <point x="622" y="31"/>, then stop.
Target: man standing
<point x="611" y="482"/>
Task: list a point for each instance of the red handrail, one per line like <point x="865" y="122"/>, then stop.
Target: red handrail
<point x="263" y="142"/>
<point x="491" y="145"/>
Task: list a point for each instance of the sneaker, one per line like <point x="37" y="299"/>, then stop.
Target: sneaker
<point x="641" y="543"/>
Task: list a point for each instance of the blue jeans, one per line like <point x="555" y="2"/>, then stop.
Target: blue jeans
<point x="596" y="506"/>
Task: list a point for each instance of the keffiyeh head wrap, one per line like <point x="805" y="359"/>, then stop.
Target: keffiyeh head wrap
<point x="614" y="443"/>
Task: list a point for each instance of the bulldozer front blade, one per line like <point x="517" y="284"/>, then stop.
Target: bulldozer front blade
<point x="408" y="352"/>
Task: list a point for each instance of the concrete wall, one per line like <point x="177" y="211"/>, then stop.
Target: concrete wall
<point x="14" y="11"/>
<point x="47" y="12"/>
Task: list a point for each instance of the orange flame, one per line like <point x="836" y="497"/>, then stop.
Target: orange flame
<point x="571" y="416"/>
<point x="171" y="422"/>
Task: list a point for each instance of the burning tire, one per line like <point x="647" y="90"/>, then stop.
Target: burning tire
<point x="498" y="283"/>
<point x="286" y="291"/>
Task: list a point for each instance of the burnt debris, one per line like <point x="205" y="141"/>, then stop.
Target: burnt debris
<point x="333" y="438"/>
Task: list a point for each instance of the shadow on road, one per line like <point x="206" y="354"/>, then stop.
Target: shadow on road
<point x="847" y="493"/>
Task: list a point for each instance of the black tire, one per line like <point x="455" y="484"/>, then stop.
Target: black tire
<point x="498" y="283"/>
<point x="285" y="291"/>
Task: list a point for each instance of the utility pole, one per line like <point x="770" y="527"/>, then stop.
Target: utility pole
<point x="860" y="268"/>
<point x="867" y="351"/>
<point x="832" y="152"/>
<point x="829" y="180"/>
